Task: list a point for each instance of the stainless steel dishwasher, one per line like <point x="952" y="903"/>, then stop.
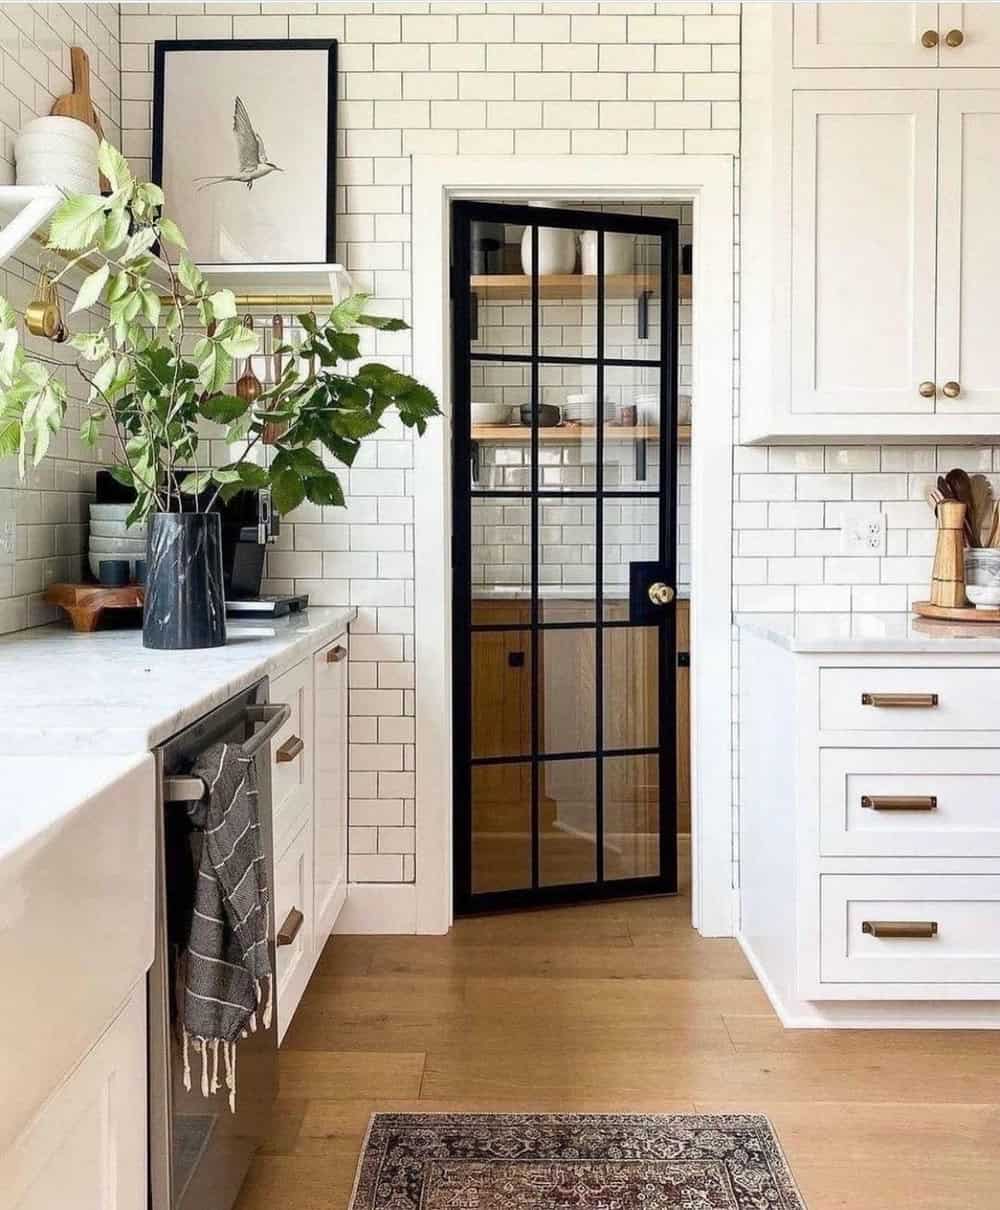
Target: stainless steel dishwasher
<point x="199" y="1150"/>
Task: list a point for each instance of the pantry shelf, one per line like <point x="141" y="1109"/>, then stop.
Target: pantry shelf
<point x="503" y="286"/>
<point x="563" y="434"/>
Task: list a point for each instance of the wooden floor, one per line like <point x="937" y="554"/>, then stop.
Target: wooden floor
<point x="619" y="1007"/>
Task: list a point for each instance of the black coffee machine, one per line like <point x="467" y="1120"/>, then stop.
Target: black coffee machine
<point x="249" y="525"/>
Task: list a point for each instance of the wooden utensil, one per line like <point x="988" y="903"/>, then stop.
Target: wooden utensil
<point x="78" y="103"/>
<point x="961" y="489"/>
<point x="249" y="386"/>
<point x="273" y="431"/>
<point x="982" y="509"/>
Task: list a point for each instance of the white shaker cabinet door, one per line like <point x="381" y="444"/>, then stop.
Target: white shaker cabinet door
<point x="979" y="27"/>
<point x="86" y="1149"/>
<point x="863" y="251"/>
<point x="330" y="818"/>
<point x="968" y="358"/>
<point x="865" y="35"/>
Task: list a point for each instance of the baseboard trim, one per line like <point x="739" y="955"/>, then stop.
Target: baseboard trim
<point x="375" y="908"/>
<point x="873" y="1014"/>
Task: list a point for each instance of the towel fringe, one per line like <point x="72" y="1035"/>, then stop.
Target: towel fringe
<point x="187" y="1063"/>
<point x="215" y="1065"/>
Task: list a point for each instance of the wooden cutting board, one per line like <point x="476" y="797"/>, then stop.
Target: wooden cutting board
<point x="78" y="103"/>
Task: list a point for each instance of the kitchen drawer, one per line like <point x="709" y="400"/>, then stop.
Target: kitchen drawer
<point x="292" y="754"/>
<point x="909" y="802"/>
<point x="909" y="699"/>
<point x="293" y="893"/>
<point x="965" y="948"/>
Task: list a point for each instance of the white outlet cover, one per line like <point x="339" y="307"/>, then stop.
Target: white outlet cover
<point x="862" y="534"/>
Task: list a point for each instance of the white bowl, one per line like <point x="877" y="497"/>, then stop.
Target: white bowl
<point x="984" y="596"/>
<point x="110" y="512"/>
<point x="117" y="529"/>
<point x="117" y="546"/>
<point x="490" y="413"/>
<point x="71" y="129"/>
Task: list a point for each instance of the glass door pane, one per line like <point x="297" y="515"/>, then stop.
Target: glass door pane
<point x="564" y="378"/>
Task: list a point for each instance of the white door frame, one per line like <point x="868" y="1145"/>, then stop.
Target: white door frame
<point x="708" y="182"/>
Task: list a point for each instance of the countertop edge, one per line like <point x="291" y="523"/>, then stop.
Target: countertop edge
<point x="845" y="633"/>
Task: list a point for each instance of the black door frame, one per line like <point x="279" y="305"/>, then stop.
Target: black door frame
<point x="464" y="213"/>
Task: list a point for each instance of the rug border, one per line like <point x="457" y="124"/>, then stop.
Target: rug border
<point x="527" y="1113"/>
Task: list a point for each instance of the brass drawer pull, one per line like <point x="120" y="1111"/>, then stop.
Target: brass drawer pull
<point x="290" y="929"/>
<point x="929" y="38"/>
<point x="954" y="37"/>
<point x="289" y="750"/>
<point x="336" y="654"/>
<point x="922" y="929"/>
<point x="899" y="802"/>
<point x="921" y="701"/>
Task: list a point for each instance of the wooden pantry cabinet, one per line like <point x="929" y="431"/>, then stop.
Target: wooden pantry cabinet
<point x="309" y="792"/>
<point x="870" y="250"/>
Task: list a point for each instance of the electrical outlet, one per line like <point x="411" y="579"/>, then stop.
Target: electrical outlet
<point x="863" y="535"/>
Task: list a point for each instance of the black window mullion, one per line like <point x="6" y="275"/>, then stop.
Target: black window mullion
<point x="535" y="637"/>
<point x="599" y="565"/>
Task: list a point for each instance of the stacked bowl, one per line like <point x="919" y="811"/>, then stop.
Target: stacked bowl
<point x="58" y="151"/>
<point x="111" y="537"/>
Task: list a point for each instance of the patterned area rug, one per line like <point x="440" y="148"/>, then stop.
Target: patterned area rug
<point x="427" y="1161"/>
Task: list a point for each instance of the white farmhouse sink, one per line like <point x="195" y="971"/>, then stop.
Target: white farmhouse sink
<point x="76" y="913"/>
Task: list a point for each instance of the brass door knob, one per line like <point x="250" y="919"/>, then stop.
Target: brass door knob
<point x="929" y="38"/>
<point x="954" y="37"/>
<point x="952" y="389"/>
<point x="927" y="389"/>
<point x="661" y="594"/>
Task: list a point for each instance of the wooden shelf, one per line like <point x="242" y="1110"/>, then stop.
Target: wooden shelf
<point x="563" y="434"/>
<point x="271" y="285"/>
<point x="23" y="209"/>
<point x="503" y="286"/>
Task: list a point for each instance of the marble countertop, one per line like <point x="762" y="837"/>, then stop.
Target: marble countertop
<point x="104" y="693"/>
<point x="871" y="632"/>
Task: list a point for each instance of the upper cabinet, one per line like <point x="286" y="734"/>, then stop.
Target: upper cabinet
<point x="870" y="248"/>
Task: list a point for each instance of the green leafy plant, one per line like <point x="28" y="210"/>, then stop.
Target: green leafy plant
<point x="161" y="360"/>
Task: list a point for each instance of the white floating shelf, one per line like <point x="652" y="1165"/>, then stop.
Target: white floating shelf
<point x="23" y="209"/>
<point x="326" y="279"/>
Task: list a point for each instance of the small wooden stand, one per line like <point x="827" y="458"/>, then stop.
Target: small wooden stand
<point x="85" y="603"/>
<point x="927" y="609"/>
<point x="948" y="576"/>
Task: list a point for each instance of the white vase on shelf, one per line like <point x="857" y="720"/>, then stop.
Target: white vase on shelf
<point x="556" y="251"/>
<point x="619" y="253"/>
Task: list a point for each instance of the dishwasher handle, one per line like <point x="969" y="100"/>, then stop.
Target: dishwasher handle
<point x="193" y="789"/>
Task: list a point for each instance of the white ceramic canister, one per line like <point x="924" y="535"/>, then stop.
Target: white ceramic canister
<point x="619" y="252"/>
<point x="556" y="248"/>
<point x="58" y="151"/>
<point x="579" y="406"/>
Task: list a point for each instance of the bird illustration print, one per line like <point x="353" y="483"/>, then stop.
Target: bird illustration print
<point x="254" y="163"/>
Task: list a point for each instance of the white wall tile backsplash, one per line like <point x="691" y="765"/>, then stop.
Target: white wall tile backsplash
<point x="43" y="519"/>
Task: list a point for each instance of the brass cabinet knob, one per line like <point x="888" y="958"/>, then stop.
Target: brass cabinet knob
<point x="952" y="389"/>
<point x="335" y="654"/>
<point x="661" y="594"/>
<point x="929" y="38"/>
<point x="927" y="389"/>
<point x="289" y="929"/>
<point x="289" y="750"/>
<point x="954" y="37"/>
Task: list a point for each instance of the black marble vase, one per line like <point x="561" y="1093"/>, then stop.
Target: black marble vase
<point x="185" y="605"/>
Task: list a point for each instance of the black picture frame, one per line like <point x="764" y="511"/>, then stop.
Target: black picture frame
<point x="220" y="46"/>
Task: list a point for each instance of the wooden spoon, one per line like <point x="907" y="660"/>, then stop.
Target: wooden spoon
<point x="274" y="430"/>
<point x="248" y="386"/>
<point x="961" y="489"/>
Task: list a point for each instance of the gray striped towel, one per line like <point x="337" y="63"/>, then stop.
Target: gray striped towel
<point x="227" y="970"/>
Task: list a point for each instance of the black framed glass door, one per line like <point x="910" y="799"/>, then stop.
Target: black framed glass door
<point x="564" y="412"/>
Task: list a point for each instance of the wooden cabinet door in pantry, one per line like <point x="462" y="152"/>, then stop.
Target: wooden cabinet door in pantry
<point x="979" y="28"/>
<point x="968" y="273"/>
<point x="864" y="202"/>
<point x="867" y="35"/>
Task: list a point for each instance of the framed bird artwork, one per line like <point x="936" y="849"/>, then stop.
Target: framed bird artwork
<point x="244" y="148"/>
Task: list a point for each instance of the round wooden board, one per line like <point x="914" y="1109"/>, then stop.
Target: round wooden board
<point x="945" y="614"/>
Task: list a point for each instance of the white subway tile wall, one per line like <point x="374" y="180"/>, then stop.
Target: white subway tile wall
<point x="43" y="533"/>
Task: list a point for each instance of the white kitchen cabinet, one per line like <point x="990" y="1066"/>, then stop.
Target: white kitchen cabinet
<point x="870" y="253"/>
<point x="968" y="250"/>
<point x="863" y="265"/>
<point x="292" y="754"/>
<point x="865" y="35"/>
<point x="86" y="1148"/>
<point x="295" y="924"/>
<point x="330" y="795"/>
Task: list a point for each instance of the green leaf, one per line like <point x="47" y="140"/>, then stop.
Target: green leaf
<point x="139" y="242"/>
<point x="325" y="490"/>
<point x="226" y="474"/>
<point x="287" y="491"/>
<point x="172" y="233"/>
<point x="223" y="409"/>
<point x="8" y="319"/>
<point x="385" y="323"/>
<point x="241" y="343"/>
<point x="214" y="365"/>
<point x="10" y="436"/>
<point x="76" y="222"/>
<point x="114" y="166"/>
<point x="253" y="475"/>
<point x="118" y="287"/>
<point x="93" y="346"/>
<point x="190" y="275"/>
<point x="223" y="303"/>
<point x="151" y="194"/>
<point x="90" y="289"/>
<point x="115" y="230"/>
<point x="90" y="429"/>
<point x="196" y="482"/>
<point x="150" y="304"/>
